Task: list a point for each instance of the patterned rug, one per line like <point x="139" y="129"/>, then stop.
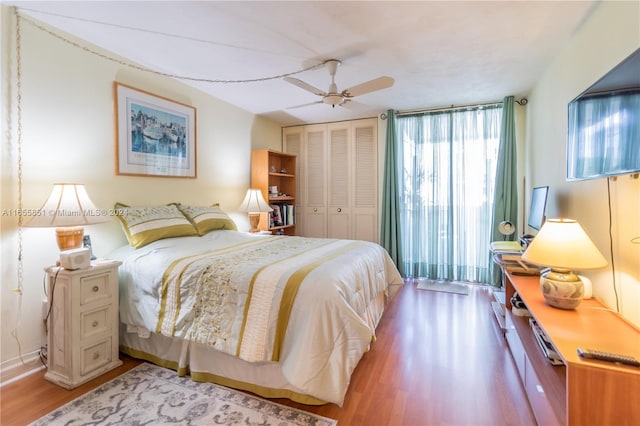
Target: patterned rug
<point x="444" y="286"/>
<point x="152" y="395"/>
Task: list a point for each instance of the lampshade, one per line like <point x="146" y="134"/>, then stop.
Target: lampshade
<point x="254" y="204"/>
<point x="506" y="228"/>
<point x="563" y="245"/>
<point x="68" y="208"/>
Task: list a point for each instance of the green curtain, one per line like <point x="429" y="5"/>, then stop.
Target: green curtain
<point x="390" y="235"/>
<point x="446" y="179"/>
<point x="505" y="206"/>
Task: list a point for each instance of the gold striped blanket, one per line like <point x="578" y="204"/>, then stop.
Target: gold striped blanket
<point x="239" y="299"/>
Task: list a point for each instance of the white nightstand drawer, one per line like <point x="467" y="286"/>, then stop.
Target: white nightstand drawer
<point x="95" y="356"/>
<point x="95" y="322"/>
<point x="94" y="288"/>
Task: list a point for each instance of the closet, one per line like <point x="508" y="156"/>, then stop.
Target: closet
<point x="337" y="178"/>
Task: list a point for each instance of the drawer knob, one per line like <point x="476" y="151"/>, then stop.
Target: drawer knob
<point x="95" y="288"/>
<point x="315" y="210"/>
<point x="94" y="324"/>
<point x="96" y="355"/>
<point x="339" y="210"/>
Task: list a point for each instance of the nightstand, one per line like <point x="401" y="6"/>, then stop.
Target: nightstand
<point x="82" y="341"/>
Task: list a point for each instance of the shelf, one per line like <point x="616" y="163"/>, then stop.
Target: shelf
<point x="498" y="312"/>
<point x="278" y="174"/>
<point x="276" y="199"/>
<point x="497" y="305"/>
<point x="275" y="228"/>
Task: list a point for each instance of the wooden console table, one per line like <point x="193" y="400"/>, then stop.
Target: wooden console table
<point x="581" y="392"/>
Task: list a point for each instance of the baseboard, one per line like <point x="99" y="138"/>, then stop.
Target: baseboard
<point x="17" y="368"/>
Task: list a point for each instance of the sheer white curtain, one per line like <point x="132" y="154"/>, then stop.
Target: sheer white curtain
<point x="448" y="160"/>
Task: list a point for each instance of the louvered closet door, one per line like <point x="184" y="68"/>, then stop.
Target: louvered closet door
<point x="339" y="196"/>
<point x="315" y="189"/>
<point x="293" y="143"/>
<point x="364" y="207"/>
<point x="337" y="178"/>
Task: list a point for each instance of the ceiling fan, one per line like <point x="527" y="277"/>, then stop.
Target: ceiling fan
<point x="332" y="96"/>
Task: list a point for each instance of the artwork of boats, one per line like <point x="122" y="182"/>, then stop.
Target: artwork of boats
<point x="152" y="133"/>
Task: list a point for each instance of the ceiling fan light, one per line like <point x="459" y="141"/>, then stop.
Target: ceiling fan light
<point x="332" y="99"/>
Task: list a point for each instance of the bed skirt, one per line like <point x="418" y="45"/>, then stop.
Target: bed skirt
<point x="205" y="364"/>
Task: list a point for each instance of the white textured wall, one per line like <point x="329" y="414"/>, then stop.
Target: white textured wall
<point x="68" y="136"/>
<point x="609" y="35"/>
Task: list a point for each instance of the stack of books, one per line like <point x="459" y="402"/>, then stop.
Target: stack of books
<point x="282" y="215"/>
<point x="508" y="254"/>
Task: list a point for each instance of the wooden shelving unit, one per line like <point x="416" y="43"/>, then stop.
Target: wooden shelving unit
<point x="273" y="168"/>
<point x="580" y="392"/>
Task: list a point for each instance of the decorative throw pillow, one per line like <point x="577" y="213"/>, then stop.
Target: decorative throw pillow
<point x="207" y="219"/>
<point x="146" y="224"/>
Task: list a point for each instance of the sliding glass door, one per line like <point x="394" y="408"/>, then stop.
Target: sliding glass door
<point x="448" y="163"/>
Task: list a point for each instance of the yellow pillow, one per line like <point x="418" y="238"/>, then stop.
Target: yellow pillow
<point x="207" y="219"/>
<point x="146" y="224"/>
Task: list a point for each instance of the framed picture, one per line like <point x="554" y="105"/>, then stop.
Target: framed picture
<point x="155" y="136"/>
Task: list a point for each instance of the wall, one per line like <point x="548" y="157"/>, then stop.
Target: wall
<point x="608" y="36"/>
<point x="68" y="136"/>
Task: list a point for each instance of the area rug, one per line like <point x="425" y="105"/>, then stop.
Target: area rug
<point x="443" y="286"/>
<point x="152" y="395"/>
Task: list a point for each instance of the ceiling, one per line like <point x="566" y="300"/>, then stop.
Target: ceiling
<point x="439" y="53"/>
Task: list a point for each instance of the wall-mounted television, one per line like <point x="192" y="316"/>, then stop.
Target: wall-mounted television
<point x="603" y="137"/>
<point x="537" y="210"/>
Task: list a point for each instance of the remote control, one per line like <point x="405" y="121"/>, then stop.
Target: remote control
<point x="608" y="356"/>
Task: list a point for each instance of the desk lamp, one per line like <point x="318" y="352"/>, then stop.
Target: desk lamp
<point x="69" y="209"/>
<point x="254" y="204"/>
<point x="563" y="245"/>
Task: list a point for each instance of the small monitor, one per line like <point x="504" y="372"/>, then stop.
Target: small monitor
<point x="538" y="206"/>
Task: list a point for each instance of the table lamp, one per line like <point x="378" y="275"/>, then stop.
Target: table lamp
<point x="254" y="204"/>
<point x="69" y="209"/>
<point x="563" y="245"/>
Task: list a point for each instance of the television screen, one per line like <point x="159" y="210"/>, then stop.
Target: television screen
<point x="538" y="207"/>
<point x="603" y="133"/>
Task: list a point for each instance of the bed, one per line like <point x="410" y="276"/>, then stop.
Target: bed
<point x="280" y="316"/>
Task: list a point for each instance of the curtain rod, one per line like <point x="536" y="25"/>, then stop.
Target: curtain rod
<point x="522" y="101"/>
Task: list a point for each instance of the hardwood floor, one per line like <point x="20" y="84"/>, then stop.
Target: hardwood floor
<point x="439" y="358"/>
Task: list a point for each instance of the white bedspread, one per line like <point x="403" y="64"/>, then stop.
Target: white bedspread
<point x="297" y="301"/>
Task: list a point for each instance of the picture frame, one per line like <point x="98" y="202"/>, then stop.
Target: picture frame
<point x="155" y="136"/>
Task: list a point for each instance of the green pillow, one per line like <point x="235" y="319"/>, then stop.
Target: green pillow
<point x="146" y="224"/>
<point x="207" y="219"/>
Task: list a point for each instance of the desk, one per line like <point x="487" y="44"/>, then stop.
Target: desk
<point x="580" y="392"/>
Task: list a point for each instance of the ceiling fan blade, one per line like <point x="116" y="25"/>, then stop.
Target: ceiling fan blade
<point x="306" y="86"/>
<point x="369" y="86"/>
<point x="305" y="105"/>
